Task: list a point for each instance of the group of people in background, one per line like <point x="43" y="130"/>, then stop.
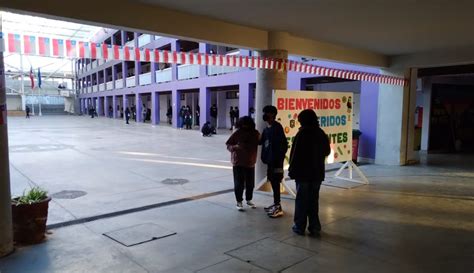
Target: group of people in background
<point x="307" y="164"/>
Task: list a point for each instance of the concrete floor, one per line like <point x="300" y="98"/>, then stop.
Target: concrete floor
<point x="409" y="219"/>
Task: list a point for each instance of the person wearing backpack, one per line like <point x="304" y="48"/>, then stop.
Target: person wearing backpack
<point x="274" y="147"/>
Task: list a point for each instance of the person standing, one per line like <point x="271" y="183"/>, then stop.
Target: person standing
<point x="236" y="113"/>
<point x="134" y="112"/>
<point x="169" y="114"/>
<point x="243" y="145"/>
<point x="197" y="115"/>
<point x="232" y="118"/>
<point x="213" y="114"/>
<point x="274" y="147"/>
<point x="182" y="111"/>
<point x="307" y="167"/>
<point x="144" y="113"/>
<point x="28" y="110"/>
<point x="111" y="111"/>
<point x="127" y="115"/>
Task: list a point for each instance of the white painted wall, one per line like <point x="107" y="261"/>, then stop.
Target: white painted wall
<point x="14" y="102"/>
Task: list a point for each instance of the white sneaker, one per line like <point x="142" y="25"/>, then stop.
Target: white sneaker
<point x="239" y="206"/>
<point x="251" y="204"/>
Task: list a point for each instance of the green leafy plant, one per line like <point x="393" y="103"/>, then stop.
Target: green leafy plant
<point x="34" y="195"/>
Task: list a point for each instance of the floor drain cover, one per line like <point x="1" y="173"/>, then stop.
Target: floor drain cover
<point x="68" y="194"/>
<point x="174" y="181"/>
<point x="139" y="234"/>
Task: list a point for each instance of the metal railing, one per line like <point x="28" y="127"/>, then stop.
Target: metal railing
<point x="145" y="79"/>
<point x="144" y="39"/>
<point x="109" y="85"/>
<point x="130" y="81"/>
<point x="163" y="75"/>
<point x="218" y="70"/>
<point x="188" y="71"/>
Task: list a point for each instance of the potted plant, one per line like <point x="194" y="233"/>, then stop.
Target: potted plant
<point x="30" y="213"/>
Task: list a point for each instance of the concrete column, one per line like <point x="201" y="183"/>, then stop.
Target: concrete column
<point x="106" y="75"/>
<point x="139" y="107"/>
<point x="114" y="107"/>
<point x="154" y="67"/>
<point x="138" y="67"/>
<point x="6" y="229"/>
<point x="244" y="99"/>
<point x="204" y="105"/>
<point x="267" y="81"/>
<point x="175" y="46"/>
<point x="114" y="76"/>
<point x="176" y="104"/>
<point x="202" y="68"/>
<point x="396" y="121"/>
<point x="155" y="108"/>
<point x="124" y="63"/>
<point x="425" y="128"/>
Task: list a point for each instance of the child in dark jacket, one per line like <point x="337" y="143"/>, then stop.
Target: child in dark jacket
<point x="307" y="167"/>
<point x="243" y="145"/>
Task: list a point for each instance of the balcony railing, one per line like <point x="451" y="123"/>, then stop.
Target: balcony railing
<point x="131" y="81"/>
<point x="188" y="71"/>
<point x="144" y="39"/>
<point x="109" y="85"/>
<point x="94" y="88"/>
<point x="102" y="87"/>
<point x="163" y="75"/>
<point x="218" y="70"/>
<point x="118" y="83"/>
<point x="145" y="78"/>
<point x="130" y="43"/>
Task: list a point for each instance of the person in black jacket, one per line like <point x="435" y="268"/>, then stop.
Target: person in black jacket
<point x="127" y="115"/>
<point x="274" y="147"/>
<point x="307" y="167"/>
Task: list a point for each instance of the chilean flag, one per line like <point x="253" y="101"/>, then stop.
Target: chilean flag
<point x="32" y="78"/>
<point x="14" y="43"/>
<point x="29" y="44"/>
<point x="116" y="50"/>
<point x="126" y="52"/>
<point x="105" y="50"/>
<point x="58" y="47"/>
<point x="44" y="46"/>
<point x="93" y="51"/>
<point x="71" y="48"/>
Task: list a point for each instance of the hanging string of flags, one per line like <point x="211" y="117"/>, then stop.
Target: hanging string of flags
<point x="51" y="47"/>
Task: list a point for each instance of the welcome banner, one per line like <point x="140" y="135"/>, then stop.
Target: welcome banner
<point x="334" y="110"/>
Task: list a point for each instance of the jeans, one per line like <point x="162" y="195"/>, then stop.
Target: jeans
<point x="244" y="178"/>
<point x="275" y="179"/>
<point x="307" y="206"/>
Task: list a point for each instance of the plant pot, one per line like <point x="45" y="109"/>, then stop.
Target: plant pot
<point x="29" y="221"/>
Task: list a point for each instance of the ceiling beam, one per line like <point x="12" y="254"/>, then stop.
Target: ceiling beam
<point x="140" y="17"/>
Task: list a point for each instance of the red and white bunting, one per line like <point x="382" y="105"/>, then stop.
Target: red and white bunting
<point x="73" y="49"/>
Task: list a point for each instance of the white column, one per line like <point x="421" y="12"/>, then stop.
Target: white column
<point x="396" y="121"/>
<point x="425" y="128"/>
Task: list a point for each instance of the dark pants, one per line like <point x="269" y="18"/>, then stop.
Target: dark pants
<point x="244" y="178"/>
<point x="275" y="179"/>
<point x="307" y="206"/>
<point x="127" y="118"/>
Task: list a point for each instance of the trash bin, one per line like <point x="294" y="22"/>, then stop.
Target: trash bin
<point x="355" y="144"/>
